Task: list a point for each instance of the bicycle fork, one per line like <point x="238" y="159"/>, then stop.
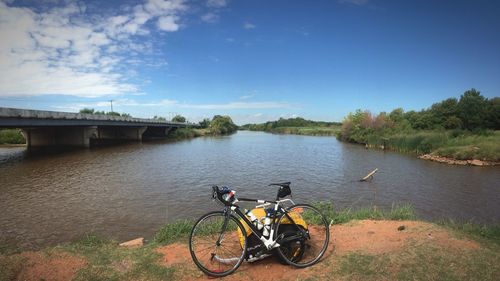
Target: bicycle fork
<point x="219" y="241"/>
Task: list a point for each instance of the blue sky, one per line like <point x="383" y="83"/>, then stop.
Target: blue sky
<point x="252" y="60"/>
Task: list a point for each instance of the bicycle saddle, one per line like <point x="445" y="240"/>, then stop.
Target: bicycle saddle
<point x="282" y="184"/>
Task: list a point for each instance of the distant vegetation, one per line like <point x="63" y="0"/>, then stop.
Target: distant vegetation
<point x="222" y="125"/>
<point x="179" y="118"/>
<point x="11" y="136"/>
<point x="219" y="125"/>
<point x="459" y="129"/>
<point x="109" y="113"/>
<point x="296" y="126"/>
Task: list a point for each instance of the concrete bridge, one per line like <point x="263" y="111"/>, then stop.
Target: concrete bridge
<point x="50" y="128"/>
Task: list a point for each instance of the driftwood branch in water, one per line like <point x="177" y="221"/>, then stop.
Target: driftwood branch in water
<point x="369" y="176"/>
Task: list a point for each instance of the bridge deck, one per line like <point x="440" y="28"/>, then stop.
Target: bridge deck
<point x="22" y="118"/>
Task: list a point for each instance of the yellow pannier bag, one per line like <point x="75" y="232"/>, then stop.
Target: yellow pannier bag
<point x="260" y="213"/>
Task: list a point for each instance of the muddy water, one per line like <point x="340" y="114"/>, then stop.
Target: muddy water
<point x="131" y="190"/>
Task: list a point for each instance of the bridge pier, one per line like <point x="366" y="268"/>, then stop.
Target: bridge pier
<point x="120" y="133"/>
<point x="158" y="132"/>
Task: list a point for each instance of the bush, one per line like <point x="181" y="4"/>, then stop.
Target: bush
<point x="11" y="136"/>
<point x="222" y="125"/>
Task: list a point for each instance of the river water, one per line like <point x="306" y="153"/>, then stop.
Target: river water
<point x="130" y="190"/>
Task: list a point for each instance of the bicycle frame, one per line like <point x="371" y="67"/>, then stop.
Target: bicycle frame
<point x="271" y="242"/>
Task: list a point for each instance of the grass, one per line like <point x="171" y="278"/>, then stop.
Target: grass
<point x="11" y="136"/>
<point x="460" y="145"/>
<point x="486" y="147"/>
<point x="420" y="262"/>
<point x="308" y="131"/>
<point x="334" y="216"/>
<point x="187" y="133"/>
<point x="174" y="232"/>
<point x="480" y="232"/>
<point x="107" y="261"/>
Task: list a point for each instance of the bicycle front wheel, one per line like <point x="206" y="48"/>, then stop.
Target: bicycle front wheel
<point x="305" y="233"/>
<point x="217" y="244"/>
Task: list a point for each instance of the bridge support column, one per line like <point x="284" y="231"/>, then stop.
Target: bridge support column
<point x="59" y="136"/>
<point x="158" y="132"/>
<point x="121" y="133"/>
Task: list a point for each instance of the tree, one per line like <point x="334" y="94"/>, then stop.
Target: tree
<point x="221" y="125"/>
<point x="453" y="122"/>
<point x="204" y="123"/>
<point x="473" y="109"/>
<point x="493" y="114"/>
<point x="397" y="115"/>
<point x="179" y="118"/>
<point x="87" y="111"/>
<point x="112" y="113"/>
<point x="159" y="118"/>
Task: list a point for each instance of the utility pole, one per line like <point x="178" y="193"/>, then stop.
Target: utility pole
<point x="111" y="101"/>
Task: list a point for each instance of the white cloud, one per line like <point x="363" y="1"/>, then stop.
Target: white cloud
<point x="176" y="104"/>
<point x="65" y="51"/>
<point x="168" y="23"/>
<point x="210" y="17"/>
<point x="239" y="105"/>
<point x="248" y="25"/>
<point x="245" y="97"/>
<point x="216" y="3"/>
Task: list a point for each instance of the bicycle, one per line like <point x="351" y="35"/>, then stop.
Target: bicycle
<point x="219" y="241"/>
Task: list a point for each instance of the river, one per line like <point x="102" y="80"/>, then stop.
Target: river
<point x="131" y="190"/>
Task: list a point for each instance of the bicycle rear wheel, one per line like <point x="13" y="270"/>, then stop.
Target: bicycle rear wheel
<point x="306" y="233"/>
<point x="216" y="244"/>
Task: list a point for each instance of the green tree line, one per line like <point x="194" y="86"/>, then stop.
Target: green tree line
<point x="109" y="113"/>
<point x="465" y="128"/>
<point x="290" y="122"/>
<point x="472" y="112"/>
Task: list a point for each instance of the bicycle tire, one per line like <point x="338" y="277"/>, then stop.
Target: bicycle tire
<point x="319" y="220"/>
<point x="199" y="264"/>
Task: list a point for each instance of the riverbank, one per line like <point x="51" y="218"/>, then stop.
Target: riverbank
<point x="304" y="131"/>
<point x="450" y="147"/>
<point x="365" y="244"/>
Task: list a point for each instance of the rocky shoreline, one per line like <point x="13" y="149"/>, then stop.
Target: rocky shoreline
<point x="451" y="161"/>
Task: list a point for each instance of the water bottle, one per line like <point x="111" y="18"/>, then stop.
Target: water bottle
<point x="254" y="219"/>
<point x="267" y="226"/>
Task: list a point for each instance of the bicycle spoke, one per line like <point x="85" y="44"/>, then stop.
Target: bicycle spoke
<point x="207" y="234"/>
<point x="313" y="245"/>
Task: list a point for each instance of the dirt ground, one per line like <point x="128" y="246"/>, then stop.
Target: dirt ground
<point x="370" y="237"/>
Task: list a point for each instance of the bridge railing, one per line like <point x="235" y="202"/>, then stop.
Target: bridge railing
<point x="45" y="114"/>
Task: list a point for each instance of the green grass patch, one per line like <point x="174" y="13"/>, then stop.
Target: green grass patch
<point x="420" y="262"/>
<point x="11" y="136"/>
<point x="472" y="146"/>
<point x="173" y="232"/>
<point x="335" y="216"/>
<point x="357" y="266"/>
<point x="307" y="131"/>
<point x="456" y="144"/>
<point x="107" y="261"/>
<point x="186" y="133"/>
<point x="480" y="232"/>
